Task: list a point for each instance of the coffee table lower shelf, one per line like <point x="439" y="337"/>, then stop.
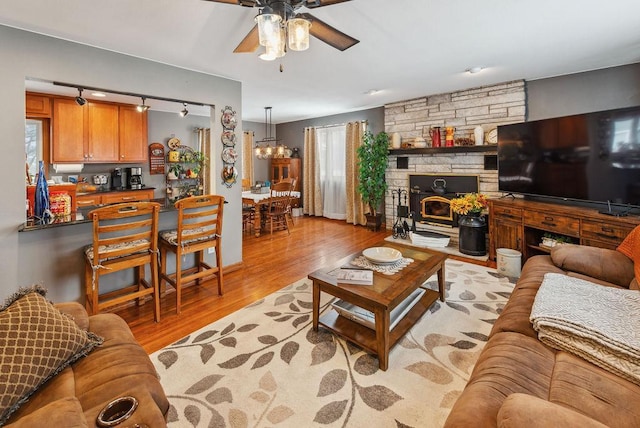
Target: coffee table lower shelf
<point x="366" y="337"/>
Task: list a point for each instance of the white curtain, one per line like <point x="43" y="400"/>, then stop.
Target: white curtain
<point x="331" y="154"/>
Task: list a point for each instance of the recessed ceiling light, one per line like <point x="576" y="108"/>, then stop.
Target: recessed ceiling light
<point x="474" y="70"/>
<point x="372" y="92"/>
<point x="98" y="94"/>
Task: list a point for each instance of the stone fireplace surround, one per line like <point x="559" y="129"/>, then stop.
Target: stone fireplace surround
<point x="487" y="106"/>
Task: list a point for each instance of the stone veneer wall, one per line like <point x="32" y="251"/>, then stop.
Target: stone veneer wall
<point x="487" y="106"/>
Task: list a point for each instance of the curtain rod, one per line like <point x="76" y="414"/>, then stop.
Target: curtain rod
<point x="131" y="94"/>
<point x="335" y="124"/>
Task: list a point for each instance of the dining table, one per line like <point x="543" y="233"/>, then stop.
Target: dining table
<point x="258" y="201"/>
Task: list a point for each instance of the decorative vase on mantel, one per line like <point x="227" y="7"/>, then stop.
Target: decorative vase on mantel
<point x="472" y="240"/>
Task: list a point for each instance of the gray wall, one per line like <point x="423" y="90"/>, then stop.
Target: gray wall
<point x="54" y="256"/>
<point x="605" y="89"/>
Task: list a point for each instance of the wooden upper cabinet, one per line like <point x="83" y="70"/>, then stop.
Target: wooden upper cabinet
<point x="97" y="132"/>
<point x="38" y="105"/>
<point x="68" y="139"/>
<point x="133" y="135"/>
<point x="102" y="143"/>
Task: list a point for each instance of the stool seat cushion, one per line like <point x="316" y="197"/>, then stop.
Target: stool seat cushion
<point x="171" y="236"/>
<point x="105" y="249"/>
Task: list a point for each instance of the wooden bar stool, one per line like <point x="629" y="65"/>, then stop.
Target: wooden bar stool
<point x="125" y="236"/>
<point x="199" y="228"/>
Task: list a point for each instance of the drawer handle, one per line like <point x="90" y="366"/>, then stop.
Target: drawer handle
<point x="546" y="223"/>
<point x="548" y="218"/>
<point x="604" y="235"/>
<point x="128" y="198"/>
<point x="607" y="229"/>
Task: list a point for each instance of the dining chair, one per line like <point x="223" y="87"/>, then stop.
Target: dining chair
<point x="292" y="181"/>
<point x="279" y="204"/>
<point x="125" y="236"/>
<point x="199" y="228"/>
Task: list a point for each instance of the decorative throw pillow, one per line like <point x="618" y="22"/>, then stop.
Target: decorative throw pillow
<point x="36" y="342"/>
<point x="630" y="247"/>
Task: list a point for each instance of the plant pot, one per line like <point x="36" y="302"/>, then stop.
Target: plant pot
<point x="374" y="221"/>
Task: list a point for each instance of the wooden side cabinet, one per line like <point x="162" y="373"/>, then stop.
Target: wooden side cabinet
<point x="520" y="225"/>
<point x="287" y="168"/>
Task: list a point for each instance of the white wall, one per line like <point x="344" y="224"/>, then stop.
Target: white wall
<point x="54" y="257"/>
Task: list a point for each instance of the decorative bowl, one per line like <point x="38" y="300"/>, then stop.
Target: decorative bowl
<point x="382" y="255"/>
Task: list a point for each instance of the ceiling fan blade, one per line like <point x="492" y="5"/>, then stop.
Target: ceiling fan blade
<point x="247" y="3"/>
<point x="319" y="3"/>
<point x="250" y="43"/>
<point x="328" y="34"/>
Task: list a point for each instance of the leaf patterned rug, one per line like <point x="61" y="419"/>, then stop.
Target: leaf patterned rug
<point x="264" y="366"/>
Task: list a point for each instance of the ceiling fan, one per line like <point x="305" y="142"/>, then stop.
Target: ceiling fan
<point x="287" y="9"/>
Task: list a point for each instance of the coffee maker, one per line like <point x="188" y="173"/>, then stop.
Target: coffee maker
<point x="116" y="179"/>
<point x="134" y="178"/>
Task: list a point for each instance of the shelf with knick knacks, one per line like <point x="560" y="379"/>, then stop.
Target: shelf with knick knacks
<point x="184" y="167"/>
<point x="452" y="144"/>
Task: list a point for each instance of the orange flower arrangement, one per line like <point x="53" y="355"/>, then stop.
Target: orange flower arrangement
<point x="470" y="203"/>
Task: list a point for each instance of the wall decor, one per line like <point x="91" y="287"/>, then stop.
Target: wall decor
<point x="229" y="154"/>
<point x="156" y="158"/>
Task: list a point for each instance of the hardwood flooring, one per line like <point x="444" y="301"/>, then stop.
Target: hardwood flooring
<point x="269" y="263"/>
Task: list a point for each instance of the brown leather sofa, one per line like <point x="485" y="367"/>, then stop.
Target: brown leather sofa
<point x="520" y="382"/>
<point x="119" y="367"/>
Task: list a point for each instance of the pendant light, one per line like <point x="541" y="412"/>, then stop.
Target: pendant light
<point x="264" y="148"/>
<point x="268" y="26"/>
<point x="298" y="30"/>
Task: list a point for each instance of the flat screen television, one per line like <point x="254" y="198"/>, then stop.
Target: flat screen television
<point x="592" y="157"/>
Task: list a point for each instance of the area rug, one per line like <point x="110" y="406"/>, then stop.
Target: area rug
<point x="264" y="366"/>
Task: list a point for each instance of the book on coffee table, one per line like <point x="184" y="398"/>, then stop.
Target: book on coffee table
<point x="354" y="276"/>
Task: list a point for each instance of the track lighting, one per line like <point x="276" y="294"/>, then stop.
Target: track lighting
<point x="81" y="101"/>
<point x="142" y="107"/>
<point x="184" y="111"/>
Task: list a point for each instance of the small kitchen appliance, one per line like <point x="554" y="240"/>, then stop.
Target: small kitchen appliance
<point x="134" y="178"/>
<point x="101" y="180"/>
<point x="117" y="182"/>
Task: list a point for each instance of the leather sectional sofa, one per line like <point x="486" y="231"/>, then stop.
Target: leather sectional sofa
<point x="520" y="382"/>
<point x="117" y="367"/>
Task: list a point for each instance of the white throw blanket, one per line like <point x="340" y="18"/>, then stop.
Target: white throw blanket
<point x="597" y="323"/>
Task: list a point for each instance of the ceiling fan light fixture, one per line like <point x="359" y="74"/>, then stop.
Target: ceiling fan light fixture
<point x="298" y="29"/>
<point x="268" y="26"/>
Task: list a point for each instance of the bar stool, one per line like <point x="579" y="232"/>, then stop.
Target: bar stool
<point x="125" y="236"/>
<point x="199" y="228"/>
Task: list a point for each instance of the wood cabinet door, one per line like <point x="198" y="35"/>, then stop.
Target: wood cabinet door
<point x="507" y="235"/>
<point x="133" y="135"/>
<point x="103" y="144"/>
<point x="38" y="105"/>
<point x="67" y="144"/>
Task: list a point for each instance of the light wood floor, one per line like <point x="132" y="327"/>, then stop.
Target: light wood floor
<point x="269" y="263"/>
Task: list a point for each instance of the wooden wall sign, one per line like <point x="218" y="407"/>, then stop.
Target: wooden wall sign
<point x="156" y="158"/>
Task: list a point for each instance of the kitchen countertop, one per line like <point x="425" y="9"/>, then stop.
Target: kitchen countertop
<point x="79" y="217"/>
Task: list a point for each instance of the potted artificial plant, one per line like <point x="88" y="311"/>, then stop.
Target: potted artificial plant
<point x="372" y="164"/>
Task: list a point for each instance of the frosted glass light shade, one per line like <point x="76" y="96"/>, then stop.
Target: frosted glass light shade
<point x="268" y="27"/>
<point x="298" y="29"/>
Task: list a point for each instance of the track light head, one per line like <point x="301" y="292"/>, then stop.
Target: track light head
<point x="184" y="111"/>
<point x="142" y="107"/>
<point x="79" y="100"/>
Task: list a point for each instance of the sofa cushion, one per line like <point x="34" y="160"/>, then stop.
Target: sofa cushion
<point x="36" y="342"/>
<point x="600" y="263"/>
<point x="630" y="247"/>
<point x="522" y="410"/>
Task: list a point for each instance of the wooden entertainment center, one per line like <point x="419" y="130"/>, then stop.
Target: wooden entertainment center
<point x="520" y="224"/>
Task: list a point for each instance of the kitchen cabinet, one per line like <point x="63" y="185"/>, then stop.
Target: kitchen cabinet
<point x="520" y="224"/>
<point x="133" y="134"/>
<point x="97" y="133"/>
<point x="37" y="105"/>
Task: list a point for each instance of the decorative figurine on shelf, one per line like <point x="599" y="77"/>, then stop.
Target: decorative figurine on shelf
<point x="435" y="136"/>
<point x="448" y="139"/>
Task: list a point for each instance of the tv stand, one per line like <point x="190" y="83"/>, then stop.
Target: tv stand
<point x="520" y="224"/>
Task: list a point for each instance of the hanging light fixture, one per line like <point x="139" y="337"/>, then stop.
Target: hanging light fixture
<point x="79" y="100"/>
<point x="268" y="26"/>
<point x="184" y="111"/>
<point x="277" y="27"/>
<point x="269" y="146"/>
<point x="142" y="107"/>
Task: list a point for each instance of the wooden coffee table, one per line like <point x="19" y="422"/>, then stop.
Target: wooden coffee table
<point x="387" y="292"/>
